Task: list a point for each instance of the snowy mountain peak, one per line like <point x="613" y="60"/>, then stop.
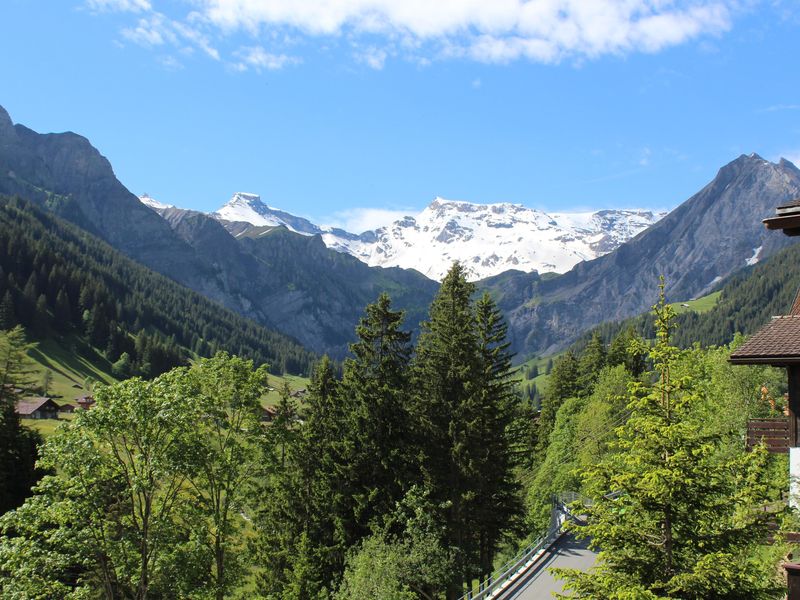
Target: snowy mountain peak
<point x="487" y="238"/>
<point x="153" y="203"/>
<point x="245" y="207"/>
<point x="491" y="238"/>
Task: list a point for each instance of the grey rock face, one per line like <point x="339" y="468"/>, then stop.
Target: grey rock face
<point x="709" y="237"/>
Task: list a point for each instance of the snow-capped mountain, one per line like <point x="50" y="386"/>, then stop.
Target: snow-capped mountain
<point x="491" y="238"/>
<point x="487" y="238"/>
<point x="154" y="204"/>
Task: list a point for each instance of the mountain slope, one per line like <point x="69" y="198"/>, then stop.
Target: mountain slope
<point x="64" y="173"/>
<point x="58" y="278"/>
<point x="305" y="289"/>
<point x="713" y="234"/>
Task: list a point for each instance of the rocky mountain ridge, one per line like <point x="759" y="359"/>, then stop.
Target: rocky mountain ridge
<point x="487" y="238"/>
<point x="295" y="284"/>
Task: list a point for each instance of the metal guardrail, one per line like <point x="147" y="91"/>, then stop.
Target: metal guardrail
<point x="508" y="572"/>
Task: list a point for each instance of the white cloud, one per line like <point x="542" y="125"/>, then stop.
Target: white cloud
<point x="358" y="220"/>
<point x="373" y="57"/>
<point x="489" y="31"/>
<point x="780" y="107"/>
<point x="119" y="5"/>
<point x="258" y="58"/>
<point x="156" y="29"/>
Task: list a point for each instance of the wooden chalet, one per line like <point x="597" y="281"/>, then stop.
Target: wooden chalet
<point x="37" y="408"/>
<point x="67" y="408"/>
<point x="268" y="414"/>
<point x="778" y="344"/>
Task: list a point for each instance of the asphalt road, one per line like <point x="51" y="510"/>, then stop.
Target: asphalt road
<point x="538" y="583"/>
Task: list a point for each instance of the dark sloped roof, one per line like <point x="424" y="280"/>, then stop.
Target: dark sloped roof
<point x="787" y="218"/>
<point x="28" y="406"/>
<point x="777" y="343"/>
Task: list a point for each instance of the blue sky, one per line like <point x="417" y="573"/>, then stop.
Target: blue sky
<point x="348" y="110"/>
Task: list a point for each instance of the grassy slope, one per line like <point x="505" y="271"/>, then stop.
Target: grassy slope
<point x="701" y="305"/>
<point x="75" y="367"/>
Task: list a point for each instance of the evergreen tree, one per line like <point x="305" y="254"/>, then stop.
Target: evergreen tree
<point x="18" y="444"/>
<point x="685" y="519"/>
<point x="592" y="361"/>
<point x="497" y="502"/>
<point x="563" y="384"/>
<point x="121" y="369"/>
<point x="458" y="375"/>
<point x="302" y="521"/>
<point x="374" y="398"/>
<point x="628" y="349"/>
<point x="7" y="317"/>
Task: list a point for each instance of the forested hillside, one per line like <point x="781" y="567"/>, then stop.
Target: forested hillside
<point x="746" y="302"/>
<point x="56" y="278"/>
<point x="182" y="491"/>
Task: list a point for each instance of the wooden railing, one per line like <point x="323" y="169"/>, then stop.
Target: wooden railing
<point x="773" y="432"/>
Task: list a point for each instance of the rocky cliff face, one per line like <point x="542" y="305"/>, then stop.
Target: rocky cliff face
<point x="710" y="236"/>
<point x="65" y="173"/>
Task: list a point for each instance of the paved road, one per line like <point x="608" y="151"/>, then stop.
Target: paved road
<point x="538" y="583"/>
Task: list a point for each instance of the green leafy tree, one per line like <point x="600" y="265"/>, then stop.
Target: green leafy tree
<point x="222" y="458"/>
<point x="115" y="500"/>
<point x="18" y="444"/>
<point x="684" y="519"/>
<point x="405" y="557"/>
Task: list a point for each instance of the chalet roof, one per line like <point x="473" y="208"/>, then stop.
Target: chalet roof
<point x="67" y="406"/>
<point x="777" y="343"/>
<point x="28" y="406"/>
<point x="787" y="218"/>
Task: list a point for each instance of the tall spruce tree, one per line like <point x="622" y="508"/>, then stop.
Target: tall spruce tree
<point x="302" y="522"/>
<point x="456" y="375"/>
<point x="374" y="394"/>
<point x="498" y="502"/>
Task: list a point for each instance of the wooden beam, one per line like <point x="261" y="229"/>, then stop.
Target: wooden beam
<point x="794" y="404"/>
<point x="793" y="581"/>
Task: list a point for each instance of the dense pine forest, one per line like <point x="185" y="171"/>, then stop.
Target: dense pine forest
<point x="56" y="279"/>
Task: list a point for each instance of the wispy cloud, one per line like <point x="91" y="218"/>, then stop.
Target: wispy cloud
<point x="780" y="107"/>
<point x="119" y="5"/>
<point x="256" y="57"/>
<point x="373" y="57"/>
<point x="358" y="220"/>
<point x="497" y="31"/>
